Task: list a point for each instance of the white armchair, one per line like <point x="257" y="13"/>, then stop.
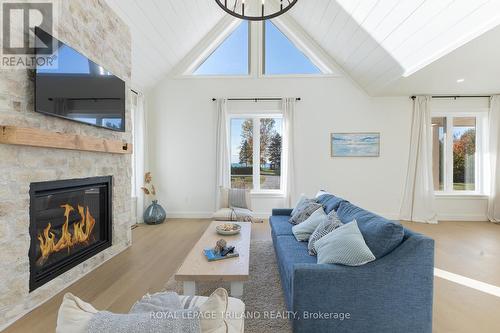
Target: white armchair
<point x="235" y="205"/>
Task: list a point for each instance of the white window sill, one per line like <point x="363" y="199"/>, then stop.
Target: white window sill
<point x="457" y="195"/>
<point x="268" y="194"/>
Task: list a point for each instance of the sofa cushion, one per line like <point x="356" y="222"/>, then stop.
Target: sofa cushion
<point x="345" y="245"/>
<point x="304" y="230"/>
<point x="291" y="252"/>
<point x="280" y="226"/>
<point x="233" y="214"/>
<point x="381" y="235"/>
<point x="329" y="202"/>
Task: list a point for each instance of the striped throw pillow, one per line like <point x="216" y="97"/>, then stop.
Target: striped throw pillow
<point x="344" y="246"/>
<point x="239" y="198"/>
<point x="331" y="223"/>
<point x="303" y="211"/>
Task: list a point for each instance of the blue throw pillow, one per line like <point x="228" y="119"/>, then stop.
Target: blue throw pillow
<point x="329" y="202"/>
<point x="299" y="203"/>
<point x="345" y="245"/>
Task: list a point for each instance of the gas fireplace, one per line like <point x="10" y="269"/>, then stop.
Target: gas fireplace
<point x="70" y="221"/>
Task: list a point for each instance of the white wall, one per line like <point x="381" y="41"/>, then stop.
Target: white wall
<point x="181" y="124"/>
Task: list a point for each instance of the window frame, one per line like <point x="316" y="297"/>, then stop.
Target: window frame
<point x="202" y="61"/>
<point x="326" y="64"/>
<point x="262" y="56"/>
<point x="256" y="117"/>
<point x="481" y="116"/>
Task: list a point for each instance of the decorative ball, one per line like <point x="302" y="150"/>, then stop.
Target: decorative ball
<point x="220" y="245"/>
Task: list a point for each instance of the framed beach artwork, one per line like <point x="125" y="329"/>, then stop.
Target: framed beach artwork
<point x="355" y="144"/>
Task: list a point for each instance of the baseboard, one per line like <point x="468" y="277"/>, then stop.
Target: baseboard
<point x="207" y="215"/>
<point x="190" y="215"/>
<point x="462" y="218"/>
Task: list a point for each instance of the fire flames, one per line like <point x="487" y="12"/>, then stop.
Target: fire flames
<point x="81" y="233"/>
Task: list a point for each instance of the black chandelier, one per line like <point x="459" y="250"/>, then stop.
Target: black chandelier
<point x="256" y="10"/>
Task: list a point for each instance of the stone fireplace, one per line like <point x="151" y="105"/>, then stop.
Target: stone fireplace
<point x="70" y="221"/>
<point x="92" y="28"/>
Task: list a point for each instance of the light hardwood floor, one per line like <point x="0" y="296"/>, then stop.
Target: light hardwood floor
<point x="469" y="249"/>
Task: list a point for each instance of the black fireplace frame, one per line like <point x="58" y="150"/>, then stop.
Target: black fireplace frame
<point x="39" y="188"/>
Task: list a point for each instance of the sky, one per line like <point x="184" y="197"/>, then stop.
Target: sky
<point x="282" y="57"/>
<point x="231" y="57"/>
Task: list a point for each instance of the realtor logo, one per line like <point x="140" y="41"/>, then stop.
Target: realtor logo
<point x="21" y="47"/>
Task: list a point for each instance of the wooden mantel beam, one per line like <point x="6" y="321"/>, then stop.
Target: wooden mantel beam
<point x="40" y="138"/>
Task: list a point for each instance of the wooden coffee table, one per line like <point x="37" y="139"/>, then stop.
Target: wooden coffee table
<point x="196" y="267"/>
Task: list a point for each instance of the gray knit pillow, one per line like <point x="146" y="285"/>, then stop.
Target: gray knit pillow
<point x="331" y="223"/>
<point x="303" y="211"/>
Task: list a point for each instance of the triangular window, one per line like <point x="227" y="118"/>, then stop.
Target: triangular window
<point x="230" y="57"/>
<point x="282" y="56"/>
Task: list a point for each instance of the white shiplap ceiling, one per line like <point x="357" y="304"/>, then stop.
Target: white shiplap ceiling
<point x="163" y="32"/>
<point x="379" y="41"/>
<point x="376" y="42"/>
<point x="472" y="69"/>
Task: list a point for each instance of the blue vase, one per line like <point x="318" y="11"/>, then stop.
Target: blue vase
<point x="154" y="214"/>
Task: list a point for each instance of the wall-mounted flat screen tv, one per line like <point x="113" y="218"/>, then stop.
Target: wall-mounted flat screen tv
<point x="76" y="88"/>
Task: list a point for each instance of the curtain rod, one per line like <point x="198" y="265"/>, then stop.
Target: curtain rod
<point x="256" y="99"/>
<point x="458" y="96"/>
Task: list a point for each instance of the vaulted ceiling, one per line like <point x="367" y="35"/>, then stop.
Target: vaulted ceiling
<point x="163" y="33"/>
<point x="376" y="42"/>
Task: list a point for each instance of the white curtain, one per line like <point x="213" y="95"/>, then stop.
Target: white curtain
<point x="494" y="155"/>
<point x="139" y="123"/>
<point x="223" y="157"/>
<point x="288" y="109"/>
<point x="418" y="197"/>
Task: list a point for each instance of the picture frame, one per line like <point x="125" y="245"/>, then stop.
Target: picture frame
<point x="355" y="144"/>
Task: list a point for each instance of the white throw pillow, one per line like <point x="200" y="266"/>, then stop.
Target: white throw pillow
<point x="235" y="311"/>
<point x="304" y="230"/>
<point x="74" y="315"/>
<point x="344" y="245"/>
<point x="216" y="305"/>
<point x="224" y="198"/>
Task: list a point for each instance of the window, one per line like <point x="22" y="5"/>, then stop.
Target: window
<point x="457" y="153"/>
<point x="277" y="54"/>
<point x="281" y="56"/>
<point x="231" y="57"/>
<point x="256" y="167"/>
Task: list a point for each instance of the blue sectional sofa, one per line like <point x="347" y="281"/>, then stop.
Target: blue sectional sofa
<point x="391" y="294"/>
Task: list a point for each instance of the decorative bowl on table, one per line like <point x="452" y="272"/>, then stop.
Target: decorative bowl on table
<point x="228" y="229"/>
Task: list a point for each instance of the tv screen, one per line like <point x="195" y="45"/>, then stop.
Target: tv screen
<point x="76" y="88"/>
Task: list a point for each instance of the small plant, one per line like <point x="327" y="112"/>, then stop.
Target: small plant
<point x="148" y="188"/>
